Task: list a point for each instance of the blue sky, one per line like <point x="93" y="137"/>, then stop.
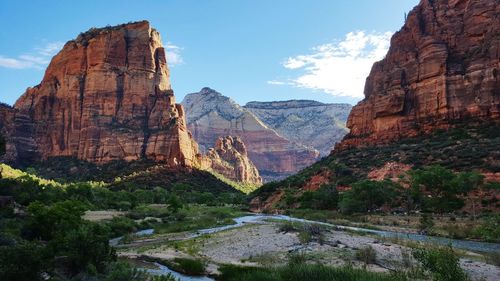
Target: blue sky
<point x="247" y="49"/>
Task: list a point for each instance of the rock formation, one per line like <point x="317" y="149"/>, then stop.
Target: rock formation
<point x="211" y="115"/>
<point x="229" y="158"/>
<point x="6" y="117"/>
<point x="310" y="123"/>
<point x="105" y="96"/>
<point x="442" y="68"/>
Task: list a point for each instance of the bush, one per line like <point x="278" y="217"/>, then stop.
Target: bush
<point x="442" y="263"/>
<point x="426" y="222"/>
<point x="190" y="266"/>
<point x="367" y="195"/>
<point x="366" y="255"/>
<point x="489" y="230"/>
<point x="87" y="245"/>
<point x="121" y="225"/>
<point x="23" y="262"/>
<point x="288" y="226"/>
<point x="305" y="237"/>
<point x="493" y="258"/>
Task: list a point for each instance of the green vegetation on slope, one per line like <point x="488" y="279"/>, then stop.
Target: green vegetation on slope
<point x="46" y="230"/>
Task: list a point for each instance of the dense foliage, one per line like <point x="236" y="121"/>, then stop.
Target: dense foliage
<point x="44" y="232"/>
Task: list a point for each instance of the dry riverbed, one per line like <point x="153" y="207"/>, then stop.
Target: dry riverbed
<point x="264" y="244"/>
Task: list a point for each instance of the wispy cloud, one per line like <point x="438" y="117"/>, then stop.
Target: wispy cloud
<point x="276" y="82"/>
<point x="38" y="58"/>
<point x="338" y="68"/>
<point x="174" y="55"/>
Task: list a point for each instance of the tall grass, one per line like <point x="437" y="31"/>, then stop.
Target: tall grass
<point x="301" y="272"/>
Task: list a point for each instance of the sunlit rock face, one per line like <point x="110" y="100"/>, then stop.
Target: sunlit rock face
<point x="229" y="158"/>
<point x="105" y="96"/>
<point x="442" y="68"/>
<point x="211" y="115"/>
<point x="310" y="123"/>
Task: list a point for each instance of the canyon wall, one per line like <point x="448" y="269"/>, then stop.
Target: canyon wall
<point x="105" y="96"/>
<point x="310" y="123"/>
<point x="442" y="69"/>
<point x="211" y="115"/>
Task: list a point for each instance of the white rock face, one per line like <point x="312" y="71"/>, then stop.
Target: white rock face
<point x="276" y="147"/>
<point x="310" y="123"/>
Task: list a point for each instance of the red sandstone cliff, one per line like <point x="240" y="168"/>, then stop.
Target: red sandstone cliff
<point x="442" y="68"/>
<point x="229" y="157"/>
<point x="105" y="96"/>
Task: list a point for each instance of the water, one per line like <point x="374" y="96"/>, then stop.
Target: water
<point x="260" y="218"/>
<point x="455" y="243"/>
<point x="164" y="270"/>
<point x="144" y="232"/>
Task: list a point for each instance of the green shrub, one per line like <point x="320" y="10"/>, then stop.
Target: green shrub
<point x="190" y="266"/>
<point x="442" y="263"/>
<point x="489" y="230"/>
<point x="121" y="225"/>
<point x="367" y="195"/>
<point x="305" y="237"/>
<point x="426" y="222"/>
<point x="288" y="226"/>
<point x="366" y="255"/>
<point x="22" y="262"/>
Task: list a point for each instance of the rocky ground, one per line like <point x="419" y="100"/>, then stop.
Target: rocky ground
<point x="265" y="244"/>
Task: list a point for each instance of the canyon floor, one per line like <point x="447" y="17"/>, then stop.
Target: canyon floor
<point x="271" y="243"/>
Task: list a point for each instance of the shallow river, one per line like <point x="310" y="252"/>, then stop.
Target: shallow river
<point x="259" y="218"/>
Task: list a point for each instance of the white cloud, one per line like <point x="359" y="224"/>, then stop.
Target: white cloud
<point x="174" y="55"/>
<point x="339" y="68"/>
<point x="50" y="49"/>
<point x="37" y="59"/>
<point x="276" y="82"/>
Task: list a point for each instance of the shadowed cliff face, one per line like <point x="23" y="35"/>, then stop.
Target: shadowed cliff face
<point x="211" y="115"/>
<point x="105" y="96"/>
<point x="442" y="68"/>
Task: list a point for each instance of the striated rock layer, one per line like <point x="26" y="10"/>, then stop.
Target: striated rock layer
<point x="105" y="96"/>
<point x="211" y="115"/>
<point x="229" y="158"/>
<point x="443" y="67"/>
<point x="310" y="123"/>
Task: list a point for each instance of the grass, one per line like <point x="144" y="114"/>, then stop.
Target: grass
<point x="246" y="188"/>
<point x="188" y="266"/>
<point x="301" y="272"/>
<point x="493" y="258"/>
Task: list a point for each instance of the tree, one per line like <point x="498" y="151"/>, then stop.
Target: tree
<point x="444" y="187"/>
<point x="367" y="195"/>
<point x="467" y="182"/>
<point x="44" y="222"/>
<point x="22" y="262"/>
<point x="325" y="198"/>
<point x="174" y="203"/>
<point x="86" y="246"/>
